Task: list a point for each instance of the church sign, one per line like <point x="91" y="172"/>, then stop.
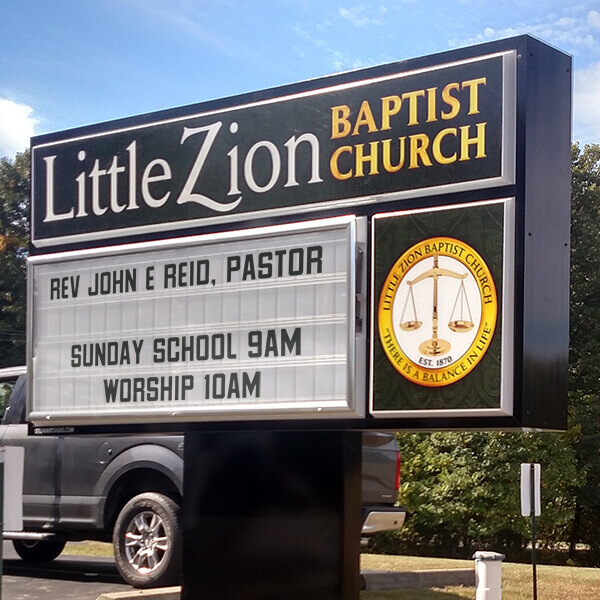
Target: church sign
<point x="385" y="248"/>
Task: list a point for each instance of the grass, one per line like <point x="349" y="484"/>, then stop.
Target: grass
<point x="88" y="549"/>
<point x="445" y="594"/>
<point x="554" y="583"/>
<point x="385" y="562"/>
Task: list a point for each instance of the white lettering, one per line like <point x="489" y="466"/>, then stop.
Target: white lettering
<point x="113" y="172"/>
<point x="95" y="175"/>
<point x="50" y="214"/>
<point x="275" y="167"/>
<point x="147" y="179"/>
<point x="132" y="150"/>
<point x="291" y="146"/>
<point x="187" y="194"/>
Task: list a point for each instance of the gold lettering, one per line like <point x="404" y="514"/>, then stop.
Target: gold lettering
<point x="473" y="85"/>
<point x="413" y="116"/>
<point x="365" y="117"/>
<point x="431" y="105"/>
<point x="368" y="158"/>
<point x="333" y="163"/>
<point x="340" y="126"/>
<point x="451" y="101"/>
<point x="390" y="105"/>
<point x="478" y="141"/>
<point x="387" y="161"/>
<point x="418" y="149"/>
<point x="436" y="147"/>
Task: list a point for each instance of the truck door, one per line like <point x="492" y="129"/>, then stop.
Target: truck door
<point x="83" y="460"/>
<point x="40" y="502"/>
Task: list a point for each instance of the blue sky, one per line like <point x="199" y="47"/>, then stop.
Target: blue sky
<point x="66" y="63"/>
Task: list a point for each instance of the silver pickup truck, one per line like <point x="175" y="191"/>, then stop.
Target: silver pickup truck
<point x="128" y="489"/>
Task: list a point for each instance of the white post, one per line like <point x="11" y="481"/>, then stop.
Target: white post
<point x="488" y="575"/>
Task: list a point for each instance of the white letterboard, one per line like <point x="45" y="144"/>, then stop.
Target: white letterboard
<point x="256" y="324"/>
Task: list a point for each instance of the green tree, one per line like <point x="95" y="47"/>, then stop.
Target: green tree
<point x="462" y="490"/>
<point x="14" y="235"/>
<point x="584" y="383"/>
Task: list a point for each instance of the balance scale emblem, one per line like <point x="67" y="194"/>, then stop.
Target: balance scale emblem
<point x="437" y="311"/>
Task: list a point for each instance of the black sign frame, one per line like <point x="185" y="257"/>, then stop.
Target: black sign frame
<point x="425" y="131"/>
<point x="536" y="163"/>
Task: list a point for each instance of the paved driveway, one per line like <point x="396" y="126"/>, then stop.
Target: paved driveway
<point x="66" y="578"/>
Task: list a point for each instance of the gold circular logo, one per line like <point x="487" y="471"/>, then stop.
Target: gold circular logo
<point x="437" y="312"/>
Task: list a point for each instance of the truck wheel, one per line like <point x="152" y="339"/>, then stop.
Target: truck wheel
<point x="38" y="550"/>
<point x="147" y="541"/>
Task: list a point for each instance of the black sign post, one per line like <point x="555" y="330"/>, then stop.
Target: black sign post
<point x="272" y="515"/>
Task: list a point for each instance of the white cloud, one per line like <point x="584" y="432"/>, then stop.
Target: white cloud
<point x="594" y="19"/>
<point x="576" y="31"/>
<point x="570" y="33"/>
<point x="16" y="127"/>
<point x="586" y="105"/>
<point x="359" y="16"/>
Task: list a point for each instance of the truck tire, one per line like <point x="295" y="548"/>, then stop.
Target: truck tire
<point x="38" y="550"/>
<point x="147" y="541"/>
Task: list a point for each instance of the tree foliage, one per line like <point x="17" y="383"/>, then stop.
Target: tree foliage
<point x="584" y="384"/>
<point x="462" y="490"/>
<point x="14" y="236"/>
<point x="585" y="267"/>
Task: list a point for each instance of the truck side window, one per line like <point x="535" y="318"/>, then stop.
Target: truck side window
<point x="5" y="390"/>
<point x="15" y="411"/>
